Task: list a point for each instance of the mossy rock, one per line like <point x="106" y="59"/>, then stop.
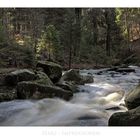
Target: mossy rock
<point x="73" y="76"/>
<point x="3" y="74"/>
<point x="67" y="86"/>
<point x="33" y="90"/>
<point x="128" y="118"/>
<point x="7" y="94"/>
<point x="87" y="79"/>
<point x="53" y="70"/>
<point x="42" y="78"/>
<point x="7" y="97"/>
<point x="132" y="100"/>
<point x="14" y="77"/>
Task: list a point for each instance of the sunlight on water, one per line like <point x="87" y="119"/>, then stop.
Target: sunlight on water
<point x="92" y="106"/>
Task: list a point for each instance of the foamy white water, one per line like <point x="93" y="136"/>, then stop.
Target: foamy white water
<point x="92" y="106"/>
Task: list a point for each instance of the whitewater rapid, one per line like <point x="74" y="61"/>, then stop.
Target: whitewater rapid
<point x="92" y="106"/>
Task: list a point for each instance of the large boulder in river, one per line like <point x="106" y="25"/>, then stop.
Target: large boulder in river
<point x="73" y="76"/>
<point x="14" y="77"/>
<point x="67" y="86"/>
<point x="34" y="90"/>
<point x="42" y="78"/>
<point x="3" y="74"/>
<point x="53" y="70"/>
<point x="7" y="94"/>
<point x="132" y="100"/>
<point x="87" y="79"/>
<point x="128" y="118"/>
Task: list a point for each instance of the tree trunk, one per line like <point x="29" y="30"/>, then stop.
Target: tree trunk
<point x="70" y="46"/>
<point x="77" y="31"/>
<point x="108" y="31"/>
<point x="94" y="28"/>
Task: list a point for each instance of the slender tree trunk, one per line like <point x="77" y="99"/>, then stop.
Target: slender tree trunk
<point x="127" y="29"/>
<point x="49" y="48"/>
<point x="70" y="46"/>
<point x="77" y="31"/>
<point x="108" y="41"/>
<point x="94" y="28"/>
<point x="108" y="31"/>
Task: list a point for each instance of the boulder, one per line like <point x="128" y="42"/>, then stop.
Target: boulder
<point x="3" y="74"/>
<point x="2" y="79"/>
<point x="132" y="100"/>
<point x="67" y="86"/>
<point x="14" y="77"/>
<point x="128" y="118"/>
<point x="125" y="70"/>
<point x="53" y="70"/>
<point x="33" y="90"/>
<point x="42" y="78"/>
<point x="121" y="69"/>
<point x="74" y="77"/>
<point x="7" y="94"/>
<point x="87" y="79"/>
<point x="113" y="68"/>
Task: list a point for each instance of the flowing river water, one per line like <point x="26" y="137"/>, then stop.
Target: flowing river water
<point x="92" y="106"/>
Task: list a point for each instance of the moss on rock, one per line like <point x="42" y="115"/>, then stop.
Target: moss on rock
<point x="128" y="118"/>
<point x="132" y="100"/>
<point x="14" y="77"/>
<point x="7" y="94"/>
<point x="74" y="77"/>
<point x="33" y="90"/>
<point x="53" y="70"/>
<point x="42" y="78"/>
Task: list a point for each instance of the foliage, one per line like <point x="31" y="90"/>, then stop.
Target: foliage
<point x="17" y="56"/>
<point x="49" y="41"/>
<point x="70" y="35"/>
<point x="2" y="39"/>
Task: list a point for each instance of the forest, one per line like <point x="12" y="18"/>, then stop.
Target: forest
<point x="74" y="38"/>
<point x="69" y="66"/>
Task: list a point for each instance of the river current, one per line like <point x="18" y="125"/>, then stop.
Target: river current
<point x="92" y="106"/>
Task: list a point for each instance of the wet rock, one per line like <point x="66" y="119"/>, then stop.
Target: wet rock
<point x="88" y="117"/>
<point x="113" y="108"/>
<point x="53" y="70"/>
<point x="7" y="94"/>
<point x="123" y="70"/>
<point x="42" y="78"/>
<point x="87" y="79"/>
<point x="113" y="69"/>
<point x="3" y="74"/>
<point x="33" y="90"/>
<point x="99" y="73"/>
<point x="129" y="118"/>
<point x="74" y="77"/>
<point x="67" y="86"/>
<point x="14" y="77"/>
<point x="132" y="100"/>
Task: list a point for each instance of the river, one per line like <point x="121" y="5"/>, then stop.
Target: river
<point x="92" y="106"/>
